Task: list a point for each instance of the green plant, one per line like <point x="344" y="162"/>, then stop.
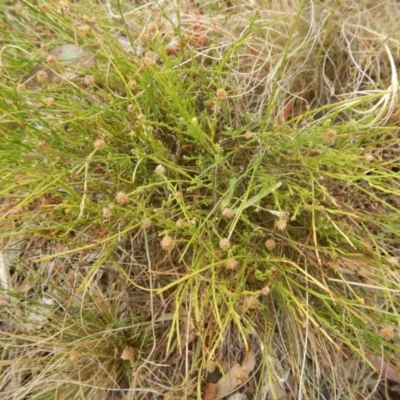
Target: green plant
<point x="198" y="189"/>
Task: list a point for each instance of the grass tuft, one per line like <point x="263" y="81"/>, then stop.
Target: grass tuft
<point x="199" y="200"/>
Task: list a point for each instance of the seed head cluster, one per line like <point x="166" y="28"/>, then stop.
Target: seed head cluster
<point x="228" y="213"/>
<point x="106" y="212"/>
<point x="265" y="290"/>
<point x="41" y="144"/>
<point x="63" y="6"/>
<point x="152" y="28"/>
<point x="330" y="136"/>
<point x="133" y="84"/>
<point x="231" y="263"/>
<point x="241" y="376"/>
<point x="178" y="195"/>
<point x="99" y="144"/>
<point x="248" y="135"/>
<point x="252" y="302"/>
<point x="51" y="59"/>
<point x="368" y="157"/>
<point x="49" y="101"/>
<point x="393" y="260"/>
<point x="148" y="59"/>
<point x="144" y="37"/>
<point x="160" y="170"/>
<point x="281" y="224"/>
<point x="224" y="244"/>
<point x="270" y="244"/>
<point x="180" y="223"/>
<point x="387" y="332"/>
<point x="210" y="366"/>
<point x="141" y="118"/>
<point x="42" y="76"/>
<point x="18" y="9"/>
<point x="74" y="356"/>
<point x="146" y="223"/>
<point x="221" y="94"/>
<point x="127" y="353"/>
<point x="122" y="198"/>
<point x="84" y="29"/>
<point x="167" y="243"/>
<point x="89" y="80"/>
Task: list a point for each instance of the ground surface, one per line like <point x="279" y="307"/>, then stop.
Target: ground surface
<point x="199" y="200"/>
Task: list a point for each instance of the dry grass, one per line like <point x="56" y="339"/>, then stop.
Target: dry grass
<point x="202" y="203"/>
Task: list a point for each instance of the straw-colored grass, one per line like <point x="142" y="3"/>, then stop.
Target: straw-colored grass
<point x="199" y="200"/>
